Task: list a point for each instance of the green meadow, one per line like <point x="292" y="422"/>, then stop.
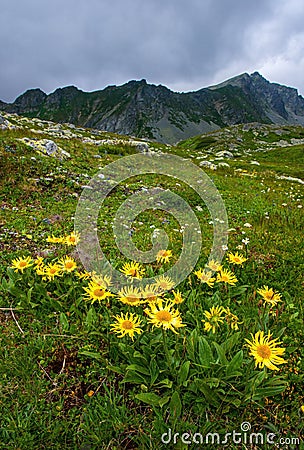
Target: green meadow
<point x="222" y="352"/>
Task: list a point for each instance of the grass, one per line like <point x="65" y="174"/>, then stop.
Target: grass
<point x="68" y="381"/>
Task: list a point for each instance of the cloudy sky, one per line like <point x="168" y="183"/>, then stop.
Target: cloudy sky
<point x="182" y="44"/>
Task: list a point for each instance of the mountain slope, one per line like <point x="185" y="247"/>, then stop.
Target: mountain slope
<point x="155" y="112"/>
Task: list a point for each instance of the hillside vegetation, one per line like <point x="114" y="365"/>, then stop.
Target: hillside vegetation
<point x="71" y="375"/>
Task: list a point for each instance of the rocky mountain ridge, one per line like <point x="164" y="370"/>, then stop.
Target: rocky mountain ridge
<point x="155" y="112"/>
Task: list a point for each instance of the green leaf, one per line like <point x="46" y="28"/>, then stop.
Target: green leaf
<point x="138" y="368"/>
<point x="116" y="369"/>
<point x="150" y="398"/>
<point x="175" y="405"/>
<point x="235" y="363"/>
<point x="93" y="355"/>
<point x="64" y="321"/>
<point x="183" y="373"/>
<point x="209" y="394"/>
<point x="192" y="344"/>
<point x="154" y="371"/>
<point x="204" y="352"/>
<point x="166" y="383"/>
<point x="134" y="377"/>
<point x="231" y="342"/>
<point x="220" y="353"/>
<point x="91" y="317"/>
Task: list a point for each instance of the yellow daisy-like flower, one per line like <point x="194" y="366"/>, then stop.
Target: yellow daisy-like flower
<point x="226" y="276"/>
<point x="21" y="263"/>
<point x="72" y="239"/>
<point x="214" y="266"/>
<point x="164" y="256"/>
<point x="96" y="292"/>
<point x="164" y="315"/>
<point x="127" y="324"/>
<point x="232" y="319"/>
<point x="177" y="297"/>
<point x="236" y="258"/>
<point x="84" y="275"/>
<point x="39" y="262"/>
<point x="50" y="271"/>
<point x="269" y="295"/>
<point x="55" y="240"/>
<point x="67" y="264"/>
<point x="265" y="350"/>
<point x="150" y="293"/>
<point x="103" y="280"/>
<point x="205" y="277"/>
<point x="164" y="283"/>
<point x="214" y="317"/>
<point x="130" y="296"/>
<point x="133" y="270"/>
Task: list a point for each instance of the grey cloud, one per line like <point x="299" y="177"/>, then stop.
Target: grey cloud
<point x="184" y="45"/>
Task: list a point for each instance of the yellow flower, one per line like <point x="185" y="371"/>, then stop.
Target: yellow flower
<point x="97" y="292"/>
<point x="214" y="266"/>
<point x="177" y="297"/>
<point x="72" y="239"/>
<point x="133" y="270"/>
<point x="232" y="319"/>
<point x="225" y="276"/>
<point x="55" y="240"/>
<point x="103" y="280"/>
<point x="265" y="350"/>
<point x="164" y="316"/>
<point x="269" y="295"/>
<point x="84" y="275"/>
<point x="164" y="256"/>
<point x="236" y="258"/>
<point x="50" y="271"/>
<point x="205" y="277"/>
<point x="164" y="283"/>
<point x="127" y="324"/>
<point x="130" y="296"/>
<point x="214" y="317"/>
<point x="39" y="262"/>
<point x="21" y="263"/>
<point x="150" y="292"/>
<point x="302" y="408"/>
<point x="67" y="264"/>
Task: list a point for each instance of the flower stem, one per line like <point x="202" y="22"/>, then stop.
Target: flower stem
<point x="166" y="349"/>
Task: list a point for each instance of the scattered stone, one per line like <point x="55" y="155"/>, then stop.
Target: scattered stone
<point x="283" y="177"/>
<point x="208" y="164"/>
<point x="45" y="147"/>
<point x="225" y="154"/>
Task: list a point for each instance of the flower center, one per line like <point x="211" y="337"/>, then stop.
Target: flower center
<point x="69" y="265"/>
<point x="127" y="325"/>
<point x="53" y="271"/>
<point x="133" y="272"/>
<point x="22" y="264"/>
<point x="264" y="351"/>
<point x="163" y="316"/>
<point x="98" y="292"/>
<point x="132" y="298"/>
